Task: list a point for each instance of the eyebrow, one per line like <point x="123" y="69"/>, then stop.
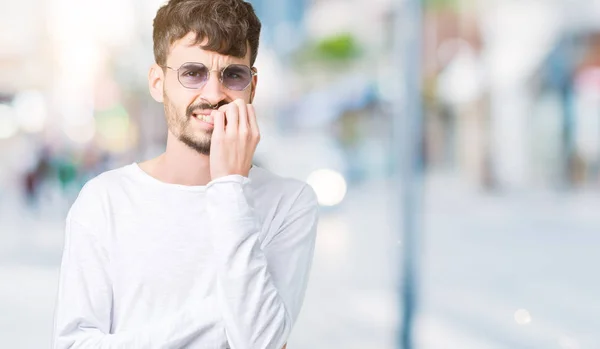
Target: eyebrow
<point x="219" y="69"/>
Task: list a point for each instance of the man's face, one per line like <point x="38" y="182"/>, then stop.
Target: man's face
<point x="187" y="111"/>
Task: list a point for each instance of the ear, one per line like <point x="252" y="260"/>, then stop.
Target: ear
<point x="254" y="83"/>
<point x="156" y="77"/>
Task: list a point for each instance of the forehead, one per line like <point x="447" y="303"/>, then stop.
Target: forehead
<point x="186" y="50"/>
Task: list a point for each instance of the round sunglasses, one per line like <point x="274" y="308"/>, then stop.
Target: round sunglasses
<point x="236" y="77"/>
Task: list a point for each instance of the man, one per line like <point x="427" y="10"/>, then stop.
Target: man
<point x="195" y="248"/>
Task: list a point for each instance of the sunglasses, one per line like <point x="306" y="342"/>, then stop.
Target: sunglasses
<point x="236" y="77"/>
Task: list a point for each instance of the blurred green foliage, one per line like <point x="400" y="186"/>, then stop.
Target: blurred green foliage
<point x="441" y="4"/>
<point x="333" y="51"/>
<point x="338" y="47"/>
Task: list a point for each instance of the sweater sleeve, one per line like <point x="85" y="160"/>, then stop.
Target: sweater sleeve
<point x="84" y="305"/>
<point x="260" y="289"/>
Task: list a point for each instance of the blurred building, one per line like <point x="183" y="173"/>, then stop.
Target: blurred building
<point x="511" y="104"/>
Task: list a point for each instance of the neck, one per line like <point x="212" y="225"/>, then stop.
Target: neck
<point x="180" y="164"/>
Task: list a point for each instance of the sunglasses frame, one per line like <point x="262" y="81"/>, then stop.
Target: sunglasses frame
<point x="252" y="74"/>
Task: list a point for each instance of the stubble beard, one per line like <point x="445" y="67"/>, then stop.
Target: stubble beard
<point x="179" y="125"/>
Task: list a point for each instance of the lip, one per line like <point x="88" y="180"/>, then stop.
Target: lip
<point x="195" y="115"/>
<point x="202" y="112"/>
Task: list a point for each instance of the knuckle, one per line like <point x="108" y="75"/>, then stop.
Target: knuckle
<point x="241" y="104"/>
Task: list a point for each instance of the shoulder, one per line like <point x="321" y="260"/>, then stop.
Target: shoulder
<point x="287" y="207"/>
<point x="291" y="190"/>
<point x="107" y="181"/>
<point x="93" y="196"/>
<point x="267" y="181"/>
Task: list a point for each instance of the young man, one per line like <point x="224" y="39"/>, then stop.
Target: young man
<point x="195" y="248"/>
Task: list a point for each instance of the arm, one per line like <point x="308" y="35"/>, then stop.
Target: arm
<point x="84" y="304"/>
<point x="260" y="289"/>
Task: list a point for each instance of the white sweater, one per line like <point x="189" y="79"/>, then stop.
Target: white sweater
<point x="148" y="264"/>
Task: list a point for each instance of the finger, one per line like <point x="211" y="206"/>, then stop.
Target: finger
<point x="243" y="117"/>
<point x="218" y="122"/>
<point x="223" y="109"/>
<point x="232" y="117"/>
<point x="253" y="122"/>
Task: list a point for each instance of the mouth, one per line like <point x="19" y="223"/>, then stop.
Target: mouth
<point x="203" y="116"/>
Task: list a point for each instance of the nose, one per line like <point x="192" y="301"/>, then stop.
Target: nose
<point x="213" y="90"/>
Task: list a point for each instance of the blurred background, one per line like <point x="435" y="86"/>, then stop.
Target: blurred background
<point x="502" y="214"/>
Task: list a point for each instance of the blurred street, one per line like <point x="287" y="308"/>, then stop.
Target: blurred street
<point x="510" y="271"/>
<point x="485" y="257"/>
<point x="495" y="103"/>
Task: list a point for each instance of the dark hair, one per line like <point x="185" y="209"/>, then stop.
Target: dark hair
<point x="229" y="25"/>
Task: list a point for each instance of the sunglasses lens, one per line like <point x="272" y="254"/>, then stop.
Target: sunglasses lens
<point x="193" y="75"/>
<point x="237" y="77"/>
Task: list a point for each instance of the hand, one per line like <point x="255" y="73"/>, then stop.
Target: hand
<point x="234" y="142"/>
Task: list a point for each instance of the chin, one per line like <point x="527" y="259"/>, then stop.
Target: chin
<point x="201" y="146"/>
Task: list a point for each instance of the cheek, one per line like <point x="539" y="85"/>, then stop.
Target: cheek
<point x="244" y="95"/>
<point x="179" y="102"/>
